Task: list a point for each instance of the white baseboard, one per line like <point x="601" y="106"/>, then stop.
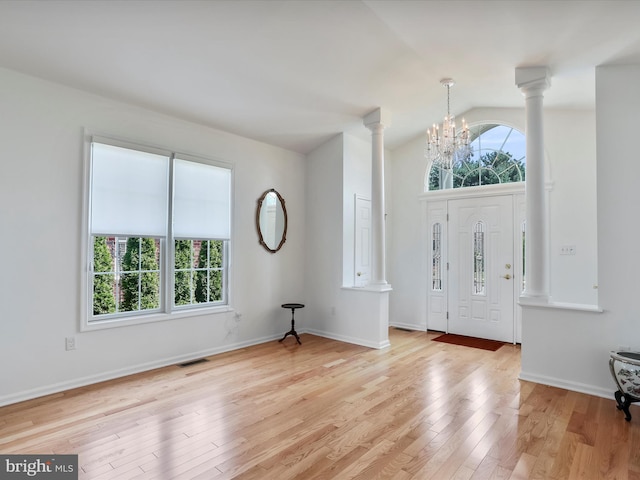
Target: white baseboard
<point x="567" y="385"/>
<point x="123" y="372"/>
<point x="347" y="339"/>
<point x="409" y="326"/>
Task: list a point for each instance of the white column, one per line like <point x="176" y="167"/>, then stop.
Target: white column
<point x="533" y="81"/>
<point x="376" y="121"/>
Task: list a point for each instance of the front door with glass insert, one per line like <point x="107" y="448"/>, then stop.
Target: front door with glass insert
<point x="481" y="267"/>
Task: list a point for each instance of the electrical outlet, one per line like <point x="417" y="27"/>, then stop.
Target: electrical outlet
<point x="70" y="343"/>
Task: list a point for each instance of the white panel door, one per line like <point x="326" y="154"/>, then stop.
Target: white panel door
<point x="362" y="253"/>
<point x="481" y="268"/>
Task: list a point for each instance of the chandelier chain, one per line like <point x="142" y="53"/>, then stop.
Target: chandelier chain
<point x="446" y="148"/>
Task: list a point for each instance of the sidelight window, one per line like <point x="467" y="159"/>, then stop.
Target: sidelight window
<point x="436" y="257"/>
<point x="479" y="259"/>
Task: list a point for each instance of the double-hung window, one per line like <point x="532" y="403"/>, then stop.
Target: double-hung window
<point x="158" y="233"/>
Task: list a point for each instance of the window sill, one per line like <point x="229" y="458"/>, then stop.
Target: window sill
<point x="152" y="318"/>
<point x="578" y="307"/>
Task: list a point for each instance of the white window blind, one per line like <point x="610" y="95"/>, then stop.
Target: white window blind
<point x="129" y="191"/>
<point x="201" y="201"/>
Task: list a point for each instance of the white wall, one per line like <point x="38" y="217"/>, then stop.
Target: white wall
<point x="405" y="256"/>
<point x="576" y="354"/>
<point x="618" y="98"/>
<point x="356" y="181"/>
<point x="41" y="139"/>
<point x="323" y="267"/>
<point x="571" y="149"/>
<point x="571" y="164"/>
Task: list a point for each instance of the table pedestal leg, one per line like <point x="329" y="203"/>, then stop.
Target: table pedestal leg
<point x="293" y="329"/>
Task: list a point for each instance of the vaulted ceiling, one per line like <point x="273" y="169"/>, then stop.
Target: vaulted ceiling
<point x="295" y="73"/>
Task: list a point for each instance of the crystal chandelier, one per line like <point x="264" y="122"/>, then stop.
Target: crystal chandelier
<point x="446" y="148"/>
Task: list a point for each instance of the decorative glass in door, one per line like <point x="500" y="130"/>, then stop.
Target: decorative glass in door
<point x="478" y="259"/>
<point x="436" y="257"/>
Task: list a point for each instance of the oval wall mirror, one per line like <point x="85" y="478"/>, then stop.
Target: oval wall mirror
<point x="271" y="220"/>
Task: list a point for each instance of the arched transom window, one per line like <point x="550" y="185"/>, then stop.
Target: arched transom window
<point x="497" y="156"/>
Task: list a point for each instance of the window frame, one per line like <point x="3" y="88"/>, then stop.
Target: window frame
<point x="168" y="310"/>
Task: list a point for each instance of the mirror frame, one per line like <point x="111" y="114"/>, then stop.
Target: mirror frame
<point x="284" y="211"/>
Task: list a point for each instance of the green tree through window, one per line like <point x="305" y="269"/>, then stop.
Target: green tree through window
<point x="103" y="280"/>
<point x="497" y="157"/>
<point x="492" y="168"/>
<point x="183" y="282"/>
<point x="209" y="275"/>
<point x="199" y="266"/>
<point x="140" y="277"/>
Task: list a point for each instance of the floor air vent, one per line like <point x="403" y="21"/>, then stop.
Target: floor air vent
<point x="192" y="362"/>
<point x="403" y="329"/>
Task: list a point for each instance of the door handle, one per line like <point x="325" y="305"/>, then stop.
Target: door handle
<point x="507" y="276"/>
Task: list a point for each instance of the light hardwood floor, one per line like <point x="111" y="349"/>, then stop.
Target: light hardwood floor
<point x="330" y="410"/>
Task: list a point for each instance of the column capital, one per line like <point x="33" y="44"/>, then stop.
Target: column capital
<point x="376" y="118"/>
<point x="533" y="79"/>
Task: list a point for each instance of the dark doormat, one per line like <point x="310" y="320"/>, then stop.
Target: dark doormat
<point x="482" y="343"/>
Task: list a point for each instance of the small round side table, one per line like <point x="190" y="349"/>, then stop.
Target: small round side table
<point x="293" y="332"/>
